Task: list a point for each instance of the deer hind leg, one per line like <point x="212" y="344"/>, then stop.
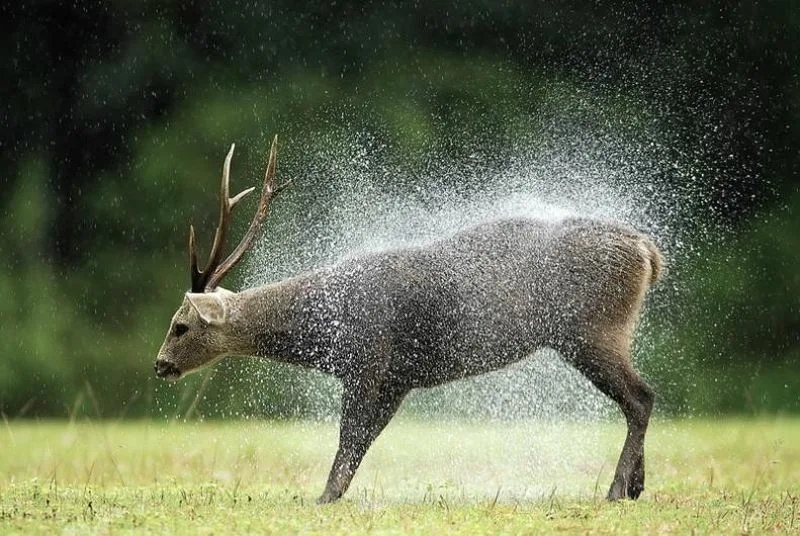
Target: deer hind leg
<point x="611" y="371"/>
<point x="365" y="413"/>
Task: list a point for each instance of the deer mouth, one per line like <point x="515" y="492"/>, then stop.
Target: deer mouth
<point x="168" y="371"/>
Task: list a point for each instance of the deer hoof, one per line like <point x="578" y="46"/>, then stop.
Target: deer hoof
<point x="328" y="497"/>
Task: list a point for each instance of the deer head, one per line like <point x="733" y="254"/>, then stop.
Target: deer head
<point x="201" y="330"/>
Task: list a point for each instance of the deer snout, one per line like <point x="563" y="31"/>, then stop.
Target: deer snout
<point x="167" y="369"/>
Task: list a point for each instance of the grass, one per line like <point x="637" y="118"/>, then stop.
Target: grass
<point x="720" y="476"/>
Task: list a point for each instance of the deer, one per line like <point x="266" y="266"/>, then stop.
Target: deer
<point x="388" y="322"/>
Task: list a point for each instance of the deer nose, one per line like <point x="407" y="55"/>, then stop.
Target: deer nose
<point x="165" y="369"/>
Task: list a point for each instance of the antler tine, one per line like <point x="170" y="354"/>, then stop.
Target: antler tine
<point x="197" y="282"/>
<point x="235" y="200"/>
<point x="226" y="204"/>
<point x="268" y="193"/>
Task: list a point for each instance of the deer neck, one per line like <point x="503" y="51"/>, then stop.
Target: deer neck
<point x="267" y="318"/>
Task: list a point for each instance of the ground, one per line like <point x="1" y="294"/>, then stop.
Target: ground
<point x="707" y="476"/>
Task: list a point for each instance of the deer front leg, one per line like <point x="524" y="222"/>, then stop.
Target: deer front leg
<point x="365" y="413"/>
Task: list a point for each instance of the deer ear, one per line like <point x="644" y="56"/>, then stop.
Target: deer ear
<point x="210" y="306"/>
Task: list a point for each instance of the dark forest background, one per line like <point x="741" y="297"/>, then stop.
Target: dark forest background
<point x="116" y="116"/>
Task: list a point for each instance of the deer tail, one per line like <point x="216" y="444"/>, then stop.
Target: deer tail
<point x="653" y="257"/>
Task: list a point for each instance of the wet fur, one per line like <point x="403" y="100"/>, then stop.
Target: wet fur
<point x="389" y="322"/>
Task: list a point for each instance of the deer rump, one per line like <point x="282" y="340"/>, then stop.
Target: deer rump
<point x="476" y="302"/>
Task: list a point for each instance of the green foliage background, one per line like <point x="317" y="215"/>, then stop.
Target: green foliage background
<point x="117" y="115"/>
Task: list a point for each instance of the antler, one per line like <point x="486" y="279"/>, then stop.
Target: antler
<point x="212" y="274"/>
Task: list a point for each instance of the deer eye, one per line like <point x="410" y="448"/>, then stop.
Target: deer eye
<point x="180" y="329"/>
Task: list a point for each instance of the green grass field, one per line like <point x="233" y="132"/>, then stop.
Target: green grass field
<point x="728" y="476"/>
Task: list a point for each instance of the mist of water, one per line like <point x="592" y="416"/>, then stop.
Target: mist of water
<point x="356" y="196"/>
<point x="353" y="193"/>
